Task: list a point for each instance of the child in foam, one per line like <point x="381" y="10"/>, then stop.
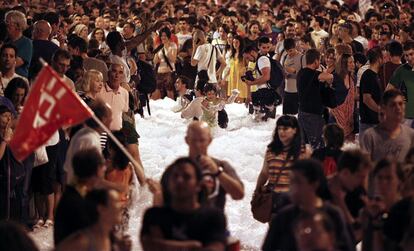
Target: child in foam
<point x="213" y="106"/>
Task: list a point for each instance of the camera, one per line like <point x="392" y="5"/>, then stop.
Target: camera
<point x="247" y="76"/>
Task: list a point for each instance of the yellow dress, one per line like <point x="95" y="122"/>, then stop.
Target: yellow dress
<point x="237" y="70"/>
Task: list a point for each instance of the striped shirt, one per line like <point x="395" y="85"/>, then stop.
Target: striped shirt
<point x="278" y="166"/>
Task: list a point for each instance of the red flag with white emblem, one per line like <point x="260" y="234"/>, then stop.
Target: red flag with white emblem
<point x="51" y="104"/>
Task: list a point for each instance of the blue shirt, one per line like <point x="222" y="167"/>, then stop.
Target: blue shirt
<point x="24" y="51"/>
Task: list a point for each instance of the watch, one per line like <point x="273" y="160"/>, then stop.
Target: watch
<point x="219" y="171"/>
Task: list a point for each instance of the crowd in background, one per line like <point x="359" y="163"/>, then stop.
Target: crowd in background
<point x="343" y="71"/>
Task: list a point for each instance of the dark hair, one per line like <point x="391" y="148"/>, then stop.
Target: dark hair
<point x="93" y="199"/>
<point x="334" y="136"/>
<point x="95" y="30"/>
<point x="276" y="146"/>
<point x="100" y="109"/>
<point x="360" y="58"/>
<point x="201" y="83"/>
<point x="253" y="22"/>
<point x="52" y="18"/>
<point x="77" y="42"/>
<point x="8" y="46"/>
<point x="395" y="48"/>
<point x="289" y="43"/>
<point x="241" y="47"/>
<point x="312" y="170"/>
<point x="166" y="176"/>
<point x="119" y="160"/>
<point x="85" y="163"/>
<point x="13" y="237"/>
<point x="312" y="55"/>
<point x="320" y="20"/>
<point x="389" y="95"/>
<point x="342" y="66"/>
<point x="386" y="163"/>
<point x="409" y="45"/>
<point x="186" y="81"/>
<point x="166" y="31"/>
<point x="263" y="40"/>
<point x="61" y="53"/>
<point x="209" y="87"/>
<point x="374" y="54"/>
<point x="13" y="85"/>
<point x="250" y="48"/>
<point x="353" y="160"/>
<point x="113" y="39"/>
<point x="4" y="109"/>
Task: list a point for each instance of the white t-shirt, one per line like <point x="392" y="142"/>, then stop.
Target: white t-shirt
<point x="85" y="138"/>
<point x="262" y="63"/>
<point x="4" y="82"/>
<point x="317" y="36"/>
<point x="182" y="38"/>
<point x="202" y="55"/>
<point x="171" y="50"/>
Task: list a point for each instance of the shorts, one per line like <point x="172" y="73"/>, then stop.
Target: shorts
<point x="46" y="175"/>
<point x="128" y="128"/>
<point x="264" y="97"/>
<point x="165" y="82"/>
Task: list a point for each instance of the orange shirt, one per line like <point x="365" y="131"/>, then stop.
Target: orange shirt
<point x="123" y="177"/>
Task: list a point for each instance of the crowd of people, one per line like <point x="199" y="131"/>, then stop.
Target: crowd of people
<point x="342" y="69"/>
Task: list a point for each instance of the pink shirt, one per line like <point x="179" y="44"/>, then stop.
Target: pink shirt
<point x="118" y="100"/>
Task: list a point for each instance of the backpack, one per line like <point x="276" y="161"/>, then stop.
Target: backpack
<point x="147" y="83"/>
<point x="277" y="74"/>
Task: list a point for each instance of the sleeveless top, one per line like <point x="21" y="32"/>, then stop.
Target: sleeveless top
<point x="279" y="166"/>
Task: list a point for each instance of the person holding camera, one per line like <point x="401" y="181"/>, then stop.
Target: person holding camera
<point x="264" y="98"/>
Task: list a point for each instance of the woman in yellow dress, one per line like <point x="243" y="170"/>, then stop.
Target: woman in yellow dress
<point x="237" y="70"/>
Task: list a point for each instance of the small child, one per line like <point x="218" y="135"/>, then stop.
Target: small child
<point x="333" y="136"/>
<point x="213" y="106"/>
<point x="120" y="172"/>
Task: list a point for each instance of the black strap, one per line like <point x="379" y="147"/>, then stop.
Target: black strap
<point x="167" y="60"/>
<point x="213" y="48"/>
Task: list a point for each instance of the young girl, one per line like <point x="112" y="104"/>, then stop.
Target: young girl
<point x="120" y="172"/>
<point x="213" y="107"/>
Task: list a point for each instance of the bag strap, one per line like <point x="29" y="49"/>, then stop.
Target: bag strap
<point x="167" y="60"/>
<point x="213" y="48"/>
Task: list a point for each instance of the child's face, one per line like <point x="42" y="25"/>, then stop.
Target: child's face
<point x="264" y="48"/>
<point x="211" y="95"/>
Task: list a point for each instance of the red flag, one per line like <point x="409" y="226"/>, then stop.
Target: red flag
<point x="51" y="104"/>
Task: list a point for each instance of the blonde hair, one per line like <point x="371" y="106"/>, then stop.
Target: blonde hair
<point x="78" y="29"/>
<point x="88" y="77"/>
<point x="17" y="18"/>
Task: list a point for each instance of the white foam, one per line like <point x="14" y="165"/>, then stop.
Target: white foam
<point x="243" y="144"/>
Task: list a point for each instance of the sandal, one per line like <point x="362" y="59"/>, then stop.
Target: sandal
<point x="48" y="223"/>
<point x="39" y="224"/>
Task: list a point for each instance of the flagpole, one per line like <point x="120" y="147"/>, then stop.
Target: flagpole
<point x="139" y="169"/>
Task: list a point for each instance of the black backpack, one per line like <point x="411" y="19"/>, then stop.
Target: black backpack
<point x="147" y="83"/>
<point x="277" y="74"/>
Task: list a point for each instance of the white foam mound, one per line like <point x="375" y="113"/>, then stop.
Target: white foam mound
<point x="243" y="144"/>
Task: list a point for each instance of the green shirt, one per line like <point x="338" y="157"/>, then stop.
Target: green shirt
<point x="403" y="79"/>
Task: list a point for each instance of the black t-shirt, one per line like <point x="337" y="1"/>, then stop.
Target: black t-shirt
<point x="205" y="224"/>
<point x="71" y="214"/>
<point x="370" y="84"/>
<point x="309" y="91"/>
<point x="44" y="49"/>
<point x="399" y="219"/>
<point x="281" y="235"/>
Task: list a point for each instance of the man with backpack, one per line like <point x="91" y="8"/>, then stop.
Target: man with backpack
<point x="269" y="76"/>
